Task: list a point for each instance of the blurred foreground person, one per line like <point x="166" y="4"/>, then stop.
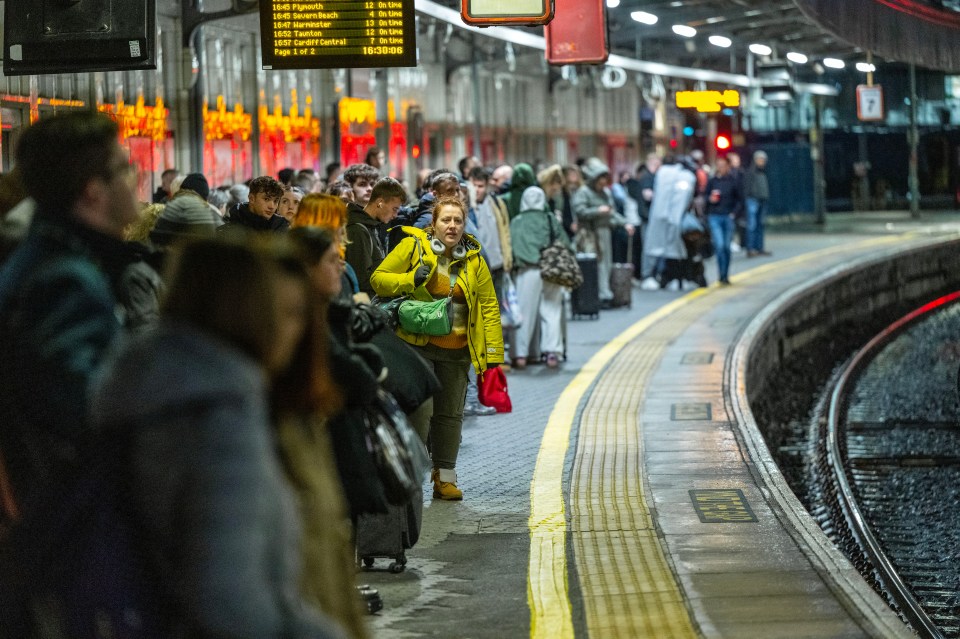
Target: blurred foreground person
<point x="218" y="522"/>
<point x="57" y="301"/>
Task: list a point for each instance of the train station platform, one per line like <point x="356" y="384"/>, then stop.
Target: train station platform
<point x="630" y="494"/>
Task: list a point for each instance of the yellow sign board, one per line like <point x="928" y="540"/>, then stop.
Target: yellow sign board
<point x="708" y="101"/>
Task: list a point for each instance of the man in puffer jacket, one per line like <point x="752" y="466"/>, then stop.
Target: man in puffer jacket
<point x="595" y="213"/>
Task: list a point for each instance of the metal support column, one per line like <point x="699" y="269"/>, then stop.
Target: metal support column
<point x="816" y="154"/>
<point x="383" y="132"/>
<point x="914" y="180"/>
<point x="475" y="79"/>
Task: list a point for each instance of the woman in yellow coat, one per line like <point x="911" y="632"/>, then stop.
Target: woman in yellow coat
<point x="420" y="267"/>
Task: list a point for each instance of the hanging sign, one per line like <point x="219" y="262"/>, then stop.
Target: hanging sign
<point x="708" y="101"/>
<point x="334" y="34"/>
<point x="578" y="33"/>
<point x="870" y="103"/>
<point x="485" y="13"/>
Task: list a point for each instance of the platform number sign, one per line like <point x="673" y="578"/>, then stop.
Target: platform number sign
<point x="870" y="103"/>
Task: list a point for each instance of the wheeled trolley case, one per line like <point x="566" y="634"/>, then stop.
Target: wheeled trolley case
<point x="585" y="301"/>
<point x="389" y="535"/>
<point x="621" y="279"/>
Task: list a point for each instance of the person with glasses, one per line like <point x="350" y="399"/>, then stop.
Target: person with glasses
<point x="58" y="305"/>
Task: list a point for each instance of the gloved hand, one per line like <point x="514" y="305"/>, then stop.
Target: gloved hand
<point x="421" y="275"/>
<point x="493" y="365"/>
<point x="365" y="321"/>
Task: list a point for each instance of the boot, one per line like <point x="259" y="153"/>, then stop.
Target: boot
<point x="445" y="484"/>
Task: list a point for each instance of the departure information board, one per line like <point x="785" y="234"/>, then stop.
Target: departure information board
<point x="325" y="34"/>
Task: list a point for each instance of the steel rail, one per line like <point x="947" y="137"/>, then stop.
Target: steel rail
<point x="897" y="589"/>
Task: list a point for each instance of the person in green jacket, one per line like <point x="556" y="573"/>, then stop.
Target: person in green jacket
<point x="534" y="229"/>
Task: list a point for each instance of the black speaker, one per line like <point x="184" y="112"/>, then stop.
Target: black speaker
<point x="75" y="36"/>
<point x="776" y="82"/>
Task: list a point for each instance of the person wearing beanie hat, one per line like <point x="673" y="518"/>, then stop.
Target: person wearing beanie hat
<point x="197" y="183"/>
<point x="187" y="214"/>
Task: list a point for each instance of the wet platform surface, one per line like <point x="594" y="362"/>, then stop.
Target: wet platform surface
<point x="578" y="518"/>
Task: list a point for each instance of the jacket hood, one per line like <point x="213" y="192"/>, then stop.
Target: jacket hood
<point x="523" y="178"/>
<point x="594" y="168"/>
<point x="171" y="367"/>
<point x="534" y="199"/>
<point x="242" y="215"/>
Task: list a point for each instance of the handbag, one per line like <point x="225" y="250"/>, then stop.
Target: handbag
<point x="558" y="264"/>
<point x="510" y="313"/>
<point x="429" y="318"/>
<point x="400" y="457"/>
<point x="492" y="390"/>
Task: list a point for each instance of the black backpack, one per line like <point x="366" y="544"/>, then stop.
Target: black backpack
<point x="75" y="564"/>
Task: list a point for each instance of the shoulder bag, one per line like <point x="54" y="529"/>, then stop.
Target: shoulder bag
<point x="429" y="318"/>
<point x="558" y="264"/>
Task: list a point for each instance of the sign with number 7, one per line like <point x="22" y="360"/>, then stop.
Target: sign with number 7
<point x="870" y="102"/>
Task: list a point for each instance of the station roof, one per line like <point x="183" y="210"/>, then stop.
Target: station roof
<point x="778" y="24"/>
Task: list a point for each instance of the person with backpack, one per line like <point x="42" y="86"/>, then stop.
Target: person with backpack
<point x="365" y="246"/>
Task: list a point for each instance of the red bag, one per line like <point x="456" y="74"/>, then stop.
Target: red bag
<point x="492" y="390"/>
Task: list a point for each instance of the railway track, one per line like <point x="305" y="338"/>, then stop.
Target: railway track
<point x="887" y="466"/>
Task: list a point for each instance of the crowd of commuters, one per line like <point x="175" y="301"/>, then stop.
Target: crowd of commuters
<point x="213" y="352"/>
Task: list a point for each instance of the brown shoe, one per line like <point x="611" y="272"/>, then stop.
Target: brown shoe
<point x="445" y="485"/>
<point x="753" y="253"/>
<point x="520" y="363"/>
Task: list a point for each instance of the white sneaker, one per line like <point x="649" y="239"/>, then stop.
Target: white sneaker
<point x="650" y="284"/>
<point x="674" y="285"/>
<point x="735" y="247"/>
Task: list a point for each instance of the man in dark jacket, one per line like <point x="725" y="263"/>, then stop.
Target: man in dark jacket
<point x="260" y="212"/>
<point x="723" y="200"/>
<point x="365" y="248"/>
<point x="58" y="311"/>
<point x="756" y="192"/>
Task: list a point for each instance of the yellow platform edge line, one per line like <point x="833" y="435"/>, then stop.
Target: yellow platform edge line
<point x="548" y="595"/>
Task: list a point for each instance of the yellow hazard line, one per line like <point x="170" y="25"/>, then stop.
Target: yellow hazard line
<point x="547" y="583"/>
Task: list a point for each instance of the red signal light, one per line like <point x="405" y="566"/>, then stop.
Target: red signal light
<point x="723" y="142"/>
<point x="673" y="143"/>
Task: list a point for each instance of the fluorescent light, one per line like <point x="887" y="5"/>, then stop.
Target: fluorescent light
<point x="865" y="67"/>
<point x="720" y="41"/>
<point x="684" y="30"/>
<point x="761" y="49"/>
<point x="799" y="58"/>
<point x="834" y="63"/>
<point x="643" y="17"/>
<point x="613" y="4"/>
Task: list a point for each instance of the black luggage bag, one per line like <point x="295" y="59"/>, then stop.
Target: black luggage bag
<point x="389" y="535"/>
<point x="585" y="301"/>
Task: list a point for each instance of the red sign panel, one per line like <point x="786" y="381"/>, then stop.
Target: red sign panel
<point x="870" y="103"/>
<point x="578" y="33"/>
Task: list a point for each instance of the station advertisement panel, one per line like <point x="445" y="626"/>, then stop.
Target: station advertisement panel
<point x="333" y="34"/>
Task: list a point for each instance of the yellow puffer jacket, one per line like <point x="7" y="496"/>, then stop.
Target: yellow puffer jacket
<point x="394" y="277"/>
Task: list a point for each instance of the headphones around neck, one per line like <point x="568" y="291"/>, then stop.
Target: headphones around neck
<point x="459" y="251"/>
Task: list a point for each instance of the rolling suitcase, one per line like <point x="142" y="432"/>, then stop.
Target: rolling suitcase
<point x="585" y="301"/>
<point x="389" y="535"/>
<point x="621" y="279"/>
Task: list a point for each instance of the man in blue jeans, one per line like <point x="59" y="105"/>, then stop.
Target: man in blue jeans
<point x="723" y="197"/>
<point x="756" y="191"/>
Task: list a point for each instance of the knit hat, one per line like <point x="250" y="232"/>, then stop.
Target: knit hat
<point x="196" y="183"/>
<point x="185" y="214"/>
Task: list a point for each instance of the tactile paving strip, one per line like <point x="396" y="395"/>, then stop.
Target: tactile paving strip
<point x="628" y="587"/>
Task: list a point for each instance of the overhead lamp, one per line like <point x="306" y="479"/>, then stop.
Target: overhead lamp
<point x="684" y="30"/>
<point x="760" y="49"/>
<point x="613" y="4"/>
<point x="834" y="63"/>
<point x="720" y="41"/>
<point x="798" y="58"/>
<point x="865" y="67"/>
<point x="644" y="18"/>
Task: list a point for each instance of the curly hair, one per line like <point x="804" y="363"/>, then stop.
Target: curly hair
<point x="267" y="185"/>
<point x="356" y="172"/>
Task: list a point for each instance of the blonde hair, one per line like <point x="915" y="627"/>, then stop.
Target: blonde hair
<point x="551" y="175"/>
<point x="139" y="230"/>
